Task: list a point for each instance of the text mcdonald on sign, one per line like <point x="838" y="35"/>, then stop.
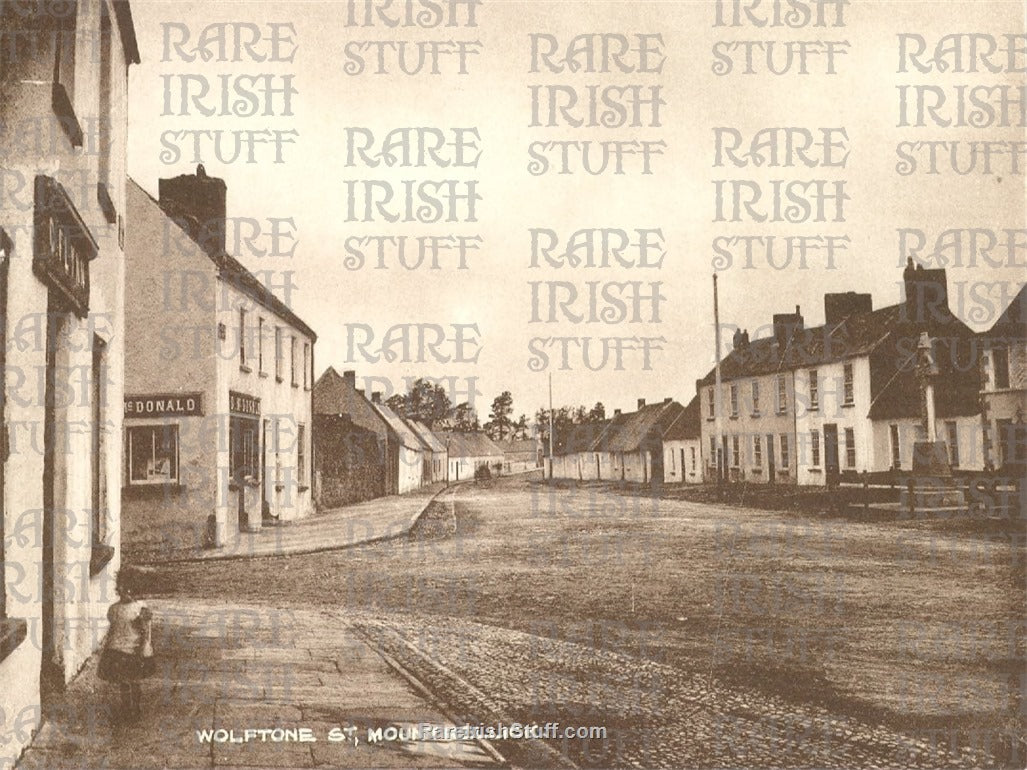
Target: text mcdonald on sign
<point x="164" y="405"/>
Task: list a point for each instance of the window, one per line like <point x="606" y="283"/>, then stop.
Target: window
<point x="242" y="338"/>
<point x="784" y="450"/>
<point x="105" y="136"/>
<point x="814" y="448"/>
<point x="292" y="360"/>
<point x="735" y="454"/>
<point x="278" y="453"/>
<point x="153" y="454"/>
<point x="693" y="459"/>
<point x="850" y="448"/>
<point x="244" y="448"/>
<point x="278" y="353"/>
<point x="847" y="394"/>
<point x="306" y="366"/>
<point x="301" y="454"/>
<point x="896" y="458"/>
<point x="711" y="406"/>
<point x="713" y="450"/>
<point x="814" y="390"/>
<point x="782" y="395"/>
<point x="260" y="345"/>
<point x="734" y="400"/>
<point x="953" y="437"/>
<point x="755" y="397"/>
<point x="1000" y="367"/>
<point x="757" y="452"/>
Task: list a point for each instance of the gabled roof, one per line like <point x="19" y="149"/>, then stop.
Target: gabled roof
<point x="406" y="435"/>
<point x="639" y="430"/>
<point x="475" y="444"/>
<point x="426" y="436"/>
<point x="688" y="425"/>
<point x="580" y="437"/>
<point x="233" y="272"/>
<point x="1012" y="324"/>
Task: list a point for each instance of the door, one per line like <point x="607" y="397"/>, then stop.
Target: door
<point x="265" y="476"/>
<point x="682" y="466"/>
<point x="831" y="466"/>
<point x="771" y="459"/>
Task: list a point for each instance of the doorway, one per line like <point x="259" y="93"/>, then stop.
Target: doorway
<point x="771" y="460"/>
<point x="832" y="469"/>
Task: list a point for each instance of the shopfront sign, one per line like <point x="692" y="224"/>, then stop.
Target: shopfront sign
<point x="241" y="404"/>
<point x="164" y="405"/>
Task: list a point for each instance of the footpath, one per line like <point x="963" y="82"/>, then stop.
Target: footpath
<point x="282" y="674"/>
<point x="378" y="519"/>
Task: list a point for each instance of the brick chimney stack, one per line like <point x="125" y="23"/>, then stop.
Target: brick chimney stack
<point x="926" y="293"/>
<point x="198" y="203"/>
<point x="787" y="325"/>
<point x="350" y="377"/>
<point x="641" y="403"/>
<point x="376" y="397"/>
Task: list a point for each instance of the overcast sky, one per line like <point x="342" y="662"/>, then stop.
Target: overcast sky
<point x="678" y="197"/>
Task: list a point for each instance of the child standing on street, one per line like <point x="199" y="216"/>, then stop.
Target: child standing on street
<point x="128" y="653"/>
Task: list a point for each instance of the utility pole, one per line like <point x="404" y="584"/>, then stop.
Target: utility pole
<point x="716" y="387"/>
<point x="550" y="426"/>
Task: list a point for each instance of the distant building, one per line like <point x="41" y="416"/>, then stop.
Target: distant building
<point x="64" y="111"/>
<point x="348" y="464"/>
<point x="682" y="447"/>
<point x="336" y="395"/>
<point x="468" y="452"/>
<point x="218" y="379"/>
<point x="1004" y="388"/>
<point x="407" y="451"/>
<point x="436" y="459"/>
<point x="520" y="455"/>
<point x="629" y="447"/>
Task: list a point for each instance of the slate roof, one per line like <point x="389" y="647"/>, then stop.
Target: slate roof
<point x="475" y="444"/>
<point x="579" y="438"/>
<point x="406" y="435"/>
<point x="889" y="338"/>
<point x="1012" y="324"/>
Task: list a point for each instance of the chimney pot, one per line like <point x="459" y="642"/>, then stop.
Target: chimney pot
<point x="668" y="399"/>
<point x="376" y="396"/>
<point x="350" y="376"/>
<point x="616" y="412"/>
<point x="641" y="403"/>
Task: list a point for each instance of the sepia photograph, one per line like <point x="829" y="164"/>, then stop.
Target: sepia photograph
<point x="558" y="384"/>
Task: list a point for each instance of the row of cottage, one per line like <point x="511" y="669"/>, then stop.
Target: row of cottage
<point x="365" y="449"/>
<point x="811" y="405"/>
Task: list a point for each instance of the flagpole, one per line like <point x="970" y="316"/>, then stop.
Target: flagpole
<point x="719" y="455"/>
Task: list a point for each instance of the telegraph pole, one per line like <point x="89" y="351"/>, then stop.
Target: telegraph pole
<point x="719" y="456"/>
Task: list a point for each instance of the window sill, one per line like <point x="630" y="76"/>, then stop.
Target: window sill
<point x="65" y="112"/>
<point x="304" y="489"/>
<point x="755" y="415"/>
<point x="264" y="375"/>
<point x="296" y="385"/>
<point x="245" y="369"/>
<point x="99" y="558"/>
<point x="279" y="487"/>
<point x="814" y="408"/>
<point x="103" y="197"/>
<point x="814" y="470"/>
<point x="12" y="633"/>
<point x="279" y="379"/>
<point x="849" y="404"/>
<point x="733" y="417"/>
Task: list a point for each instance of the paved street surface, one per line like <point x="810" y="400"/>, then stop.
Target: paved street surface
<point x="698" y="635"/>
<point x="239" y="667"/>
<point x="378" y="519"/>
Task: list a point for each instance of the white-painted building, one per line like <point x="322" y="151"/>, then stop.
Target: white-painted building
<point x="63" y="106"/>
<point x="218" y="381"/>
